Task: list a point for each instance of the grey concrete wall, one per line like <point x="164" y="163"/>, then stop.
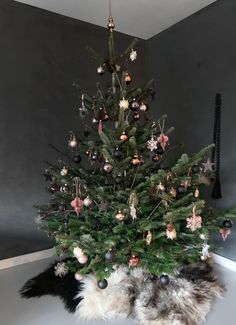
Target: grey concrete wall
<point x="41" y="55"/>
<point x="191" y="62"/>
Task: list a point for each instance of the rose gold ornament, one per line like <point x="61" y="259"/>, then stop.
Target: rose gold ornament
<point x="108" y="167"/>
<point x="163" y="140"/>
<point x="123" y="137"/>
<point x="120" y="216"/>
<point x="143" y="107"/>
<point x="136" y="161"/>
<point x="77" y="204"/>
<point x="225" y="232"/>
<point x="133" y="261"/>
<point x="127" y="78"/>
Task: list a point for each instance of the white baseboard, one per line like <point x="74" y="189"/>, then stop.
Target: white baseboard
<point x="225" y="262"/>
<point x="32" y="257"/>
<point x="27" y="258"/>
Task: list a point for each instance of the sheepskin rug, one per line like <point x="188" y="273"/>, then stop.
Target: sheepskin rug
<point x="186" y="300"/>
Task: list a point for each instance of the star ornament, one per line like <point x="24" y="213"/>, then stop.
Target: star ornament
<point x="208" y="166"/>
<point x="124" y="104"/>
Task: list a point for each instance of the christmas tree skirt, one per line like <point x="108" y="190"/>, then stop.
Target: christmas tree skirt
<point x="186" y="300"/>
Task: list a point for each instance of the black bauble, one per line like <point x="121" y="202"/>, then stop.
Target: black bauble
<point x="100" y="114"/>
<point x="159" y="151"/>
<point x="181" y="189"/>
<point x="109" y="256"/>
<point x="136" y="116"/>
<point x="156" y="158"/>
<point x="227" y="224"/>
<point x="195" y="169"/>
<point x="117" y="153"/>
<point x="62" y="207"/>
<point x="77" y="159"/>
<point x="119" y="179"/>
<point x="134" y="105"/>
<point x="102" y="284"/>
<point x="164" y="279"/>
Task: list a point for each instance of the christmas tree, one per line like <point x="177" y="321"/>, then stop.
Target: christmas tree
<point x="112" y="201"/>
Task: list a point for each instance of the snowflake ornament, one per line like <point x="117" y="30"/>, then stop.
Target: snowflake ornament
<point x="152" y="144"/>
<point x="194" y="222"/>
<point x="60" y="269"/>
<point x="133" y="55"/>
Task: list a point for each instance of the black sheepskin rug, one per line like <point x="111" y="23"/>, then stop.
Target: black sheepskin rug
<point x="186" y="300"/>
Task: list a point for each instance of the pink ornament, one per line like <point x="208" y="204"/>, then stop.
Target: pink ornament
<point x="163" y="140"/>
<point x="195" y="221"/>
<point x="77" y="204"/>
<point x="225" y="232"/>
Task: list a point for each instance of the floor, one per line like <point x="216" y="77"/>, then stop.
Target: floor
<point x="49" y="310"/>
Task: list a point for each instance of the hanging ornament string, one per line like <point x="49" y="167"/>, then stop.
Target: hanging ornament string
<point x="216" y="192"/>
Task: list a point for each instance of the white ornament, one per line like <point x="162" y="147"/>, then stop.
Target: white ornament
<point x="60" y="269"/>
<point x="82" y="259"/>
<point x="152" y="144"/>
<point x="133" y="55"/>
<point x="161" y="187"/>
<point x="64" y="171"/>
<point x="133" y="212"/>
<point x="208" y="166"/>
<point x="77" y="252"/>
<point x="100" y="70"/>
<point x="87" y="201"/>
<point x="203" y="236"/>
<point x="205" y="252"/>
<point x="124" y="104"/>
<point x="78" y="276"/>
<point x="72" y="142"/>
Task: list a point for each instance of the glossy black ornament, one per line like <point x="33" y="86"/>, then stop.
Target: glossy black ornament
<point x="117" y="153"/>
<point x="62" y="207"/>
<point x="228" y="224"/>
<point x="164" y="279"/>
<point x="136" y="117"/>
<point x="159" y="150"/>
<point x="100" y="114"/>
<point x="181" y="189"/>
<point x="195" y="169"/>
<point x="110" y="256"/>
<point x="134" y="105"/>
<point x="77" y="159"/>
<point x="119" y="179"/>
<point x="53" y="187"/>
<point x="102" y="284"/>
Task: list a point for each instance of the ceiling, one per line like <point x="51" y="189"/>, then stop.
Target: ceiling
<point x="141" y="18"/>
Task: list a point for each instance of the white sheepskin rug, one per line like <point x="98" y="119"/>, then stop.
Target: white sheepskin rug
<point x="186" y="300"/>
